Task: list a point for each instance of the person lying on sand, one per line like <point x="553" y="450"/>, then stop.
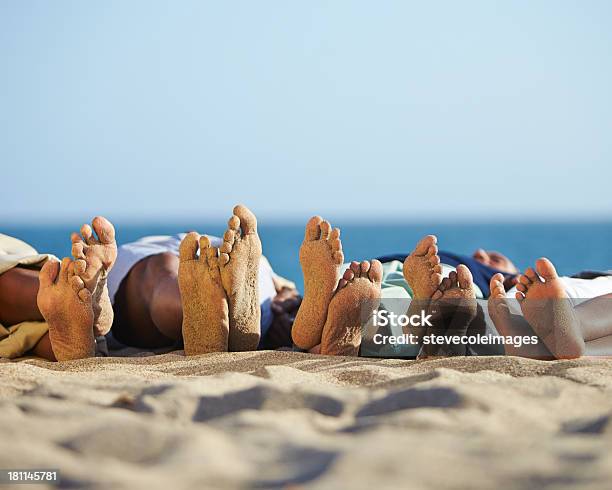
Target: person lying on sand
<point x="207" y="292"/>
<point x="51" y="309"/>
<point x="571" y="315"/>
<point x="141" y="290"/>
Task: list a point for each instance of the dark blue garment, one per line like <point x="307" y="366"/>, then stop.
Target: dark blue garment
<point x="482" y="273"/>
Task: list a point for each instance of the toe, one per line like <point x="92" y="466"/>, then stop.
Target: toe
<point x="87" y="234"/>
<point x="188" y="248"/>
<point x="452" y="277"/>
<point x="433" y="250"/>
<point x="356" y="268"/>
<point x="436" y="279"/>
<point x="342" y="282"/>
<point x="423" y="246"/>
<point x="65" y="268"/>
<point x="78" y="250"/>
<point x="496" y="286"/>
<point x="521" y="287"/>
<point x="445" y="284"/>
<point x="434" y="260"/>
<point x="531" y="275"/>
<point x="336" y="244"/>
<point x="204" y="248"/>
<point x="223" y="258"/>
<point x="365" y="267"/>
<point x="546" y="269"/>
<point x="437" y="294"/>
<point x="464" y="276"/>
<point x="519" y="296"/>
<point x="76" y="283"/>
<point x="248" y="221"/>
<point x="338" y="257"/>
<point x="75" y="237"/>
<point x="437" y="269"/>
<point x="349" y="274"/>
<point x="376" y="271"/>
<point x="234" y="223"/>
<point x="84" y="295"/>
<point x="335" y="234"/>
<point x="48" y="273"/>
<point x="524" y="281"/>
<point x="104" y="229"/>
<point x="80" y="266"/>
<point x="228" y="241"/>
<point x="313" y="230"/>
<point x="325" y="229"/>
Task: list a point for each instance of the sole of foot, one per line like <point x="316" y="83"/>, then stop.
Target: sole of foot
<point x="321" y="258"/>
<point x="239" y="267"/>
<point x="205" y="306"/>
<point x="352" y="305"/>
<point x="509" y="325"/>
<point x="546" y="306"/>
<point x="66" y="305"/>
<point x="95" y="256"/>
<point x="422" y="269"/>
<point x="453" y="308"/>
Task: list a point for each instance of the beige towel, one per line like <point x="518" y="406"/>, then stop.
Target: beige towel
<point x="18" y="339"/>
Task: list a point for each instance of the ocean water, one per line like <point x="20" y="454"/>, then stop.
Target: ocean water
<point x="571" y="246"/>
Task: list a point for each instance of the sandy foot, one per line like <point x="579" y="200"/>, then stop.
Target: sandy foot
<point x="321" y="258"/>
<point x="453" y="307"/>
<point x="94" y="259"/>
<point x="239" y="265"/>
<point x="357" y="296"/>
<point x="422" y="269"/>
<point x="512" y="325"/>
<point x="548" y="310"/>
<point x="205" y="306"/>
<point x="66" y="305"/>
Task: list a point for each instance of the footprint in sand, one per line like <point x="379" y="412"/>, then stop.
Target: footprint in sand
<point x="205" y="306"/>
<point x="239" y="266"/>
<point x="66" y="305"/>
<point x="547" y="308"/>
<point x="94" y="259"/>
<point x="355" y="299"/>
<point x="321" y="258"/>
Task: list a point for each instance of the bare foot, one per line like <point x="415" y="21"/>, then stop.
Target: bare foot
<point x="239" y="265"/>
<point x="453" y="309"/>
<point x="99" y="255"/>
<point x="422" y="269"/>
<point x="547" y="308"/>
<point x="509" y="325"/>
<point x="66" y="305"/>
<point x="205" y="306"/>
<point x="356" y="298"/>
<point x="320" y="257"/>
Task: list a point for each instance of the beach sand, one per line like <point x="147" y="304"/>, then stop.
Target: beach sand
<point x="285" y="419"/>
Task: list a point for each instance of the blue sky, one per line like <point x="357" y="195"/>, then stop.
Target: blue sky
<point x="420" y="110"/>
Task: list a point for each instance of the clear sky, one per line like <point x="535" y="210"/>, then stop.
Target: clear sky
<point x="153" y="110"/>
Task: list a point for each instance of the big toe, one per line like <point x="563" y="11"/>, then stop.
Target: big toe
<point x="313" y="228"/>
<point x="376" y="271"/>
<point x="546" y="269"/>
<point x="248" y="221"/>
<point x="48" y="273"/>
<point x="423" y="245"/>
<point x="188" y="248"/>
<point x="497" y="286"/>
<point x="104" y="229"/>
<point x="464" y="277"/>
